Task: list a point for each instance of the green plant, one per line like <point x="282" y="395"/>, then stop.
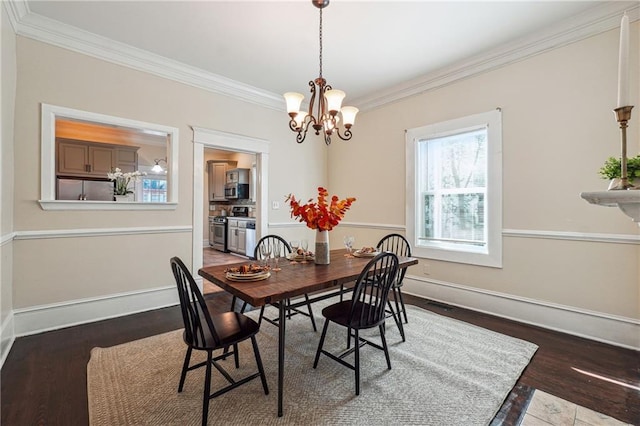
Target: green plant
<point x="611" y="168"/>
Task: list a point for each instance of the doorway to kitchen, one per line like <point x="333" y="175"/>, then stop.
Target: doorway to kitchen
<point x="229" y="208"/>
<point x="236" y="144"/>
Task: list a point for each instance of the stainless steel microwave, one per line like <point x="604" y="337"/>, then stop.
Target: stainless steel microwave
<point x="239" y="191"/>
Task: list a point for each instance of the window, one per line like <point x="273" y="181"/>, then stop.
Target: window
<point x="154" y="190"/>
<point x="138" y="145"/>
<point x="455" y="190"/>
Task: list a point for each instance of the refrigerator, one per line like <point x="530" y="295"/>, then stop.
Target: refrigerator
<point x="82" y="189"/>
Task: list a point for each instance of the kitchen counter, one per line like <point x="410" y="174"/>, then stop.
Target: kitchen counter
<point x="241" y="235"/>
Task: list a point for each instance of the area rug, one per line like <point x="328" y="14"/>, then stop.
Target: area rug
<point x="447" y="373"/>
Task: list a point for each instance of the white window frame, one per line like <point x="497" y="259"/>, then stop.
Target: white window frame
<point x="492" y="255"/>
<point x="48" y="158"/>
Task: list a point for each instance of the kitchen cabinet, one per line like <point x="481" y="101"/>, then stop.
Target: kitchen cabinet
<point x="238" y="176"/>
<point x="232" y="235"/>
<point x="85" y="159"/>
<point x="217" y="170"/>
<point x="127" y="158"/>
<point x="237" y="235"/>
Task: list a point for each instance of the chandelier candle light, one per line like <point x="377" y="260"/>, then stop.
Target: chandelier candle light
<point x="623" y="111"/>
<point x="329" y="103"/>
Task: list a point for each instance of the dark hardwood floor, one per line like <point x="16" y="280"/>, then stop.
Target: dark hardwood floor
<point x="43" y="380"/>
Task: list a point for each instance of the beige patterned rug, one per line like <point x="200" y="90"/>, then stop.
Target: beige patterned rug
<point x="446" y="373"/>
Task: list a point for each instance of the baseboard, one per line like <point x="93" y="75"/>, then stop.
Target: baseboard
<point x="610" y="329"/>
<point x="601" y="327"/>
<point x="7" y="337"/>
<point x="43" y="318"/>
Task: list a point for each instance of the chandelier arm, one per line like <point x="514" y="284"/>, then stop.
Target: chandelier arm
<point x="347" y="134"/>
<point x="327" y="139"/>
<point x="312" y="90"/>
<point x="300" y="136"/>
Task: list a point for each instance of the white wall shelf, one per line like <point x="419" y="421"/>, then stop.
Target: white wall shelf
<point x="626" y="200"/>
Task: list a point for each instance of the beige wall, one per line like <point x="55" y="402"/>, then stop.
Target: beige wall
<point x="558" y="128"/>
<point x="7" y="99"/>
<point x="65" y="269"/>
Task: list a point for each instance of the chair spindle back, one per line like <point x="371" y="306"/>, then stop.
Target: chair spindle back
<point x="372" y="290"/>
<point x="193" y="307"/>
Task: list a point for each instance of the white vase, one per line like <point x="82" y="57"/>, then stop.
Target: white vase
<point x="613" y="183"/>
<point x="322" y="247"/>
<point x="124" y="198"/>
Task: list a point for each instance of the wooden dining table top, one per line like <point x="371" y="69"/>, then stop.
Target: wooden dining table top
<point x="294" y="278"/>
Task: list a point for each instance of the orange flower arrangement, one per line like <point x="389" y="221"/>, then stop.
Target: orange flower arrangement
<point x="320" y="215"/>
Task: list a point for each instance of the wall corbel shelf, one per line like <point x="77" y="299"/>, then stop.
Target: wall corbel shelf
<point x="626" y="200"/>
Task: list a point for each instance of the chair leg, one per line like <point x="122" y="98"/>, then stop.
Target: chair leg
<point x="384" y="346"/>
<point x="185" y="366"/>
<point x="357" y="361"/>
<point x="233" y="304"/>
<point x="207" y="389"/>
<point x="321" y="343"/>
<point x="404" y="310"/>
<point x="313" y="320"/>
<point x="348" y="337"/>
<point x="256" y="352"/>
<point x="398" y="320"/>
<point x="236" y="355"/>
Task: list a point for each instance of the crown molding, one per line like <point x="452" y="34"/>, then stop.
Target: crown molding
<point x="53" y="32"/>
<point x="587" y="24"/>
<point x="592" y="22"/>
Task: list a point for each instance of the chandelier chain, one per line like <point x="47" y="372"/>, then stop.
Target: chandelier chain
<point x="320" y="37"/>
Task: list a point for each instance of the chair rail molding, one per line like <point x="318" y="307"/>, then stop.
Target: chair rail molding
<point x="7" y="238"/>
<point x="99" y="232"/>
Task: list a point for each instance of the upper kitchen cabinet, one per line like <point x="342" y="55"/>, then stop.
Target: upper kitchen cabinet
<point x="80" y="158"/>
<point x="217" y="170"/>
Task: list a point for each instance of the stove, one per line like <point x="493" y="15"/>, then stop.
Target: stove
<point x="218" y="233"/>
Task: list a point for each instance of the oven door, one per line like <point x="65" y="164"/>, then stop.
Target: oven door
<point x="219" y="236"/>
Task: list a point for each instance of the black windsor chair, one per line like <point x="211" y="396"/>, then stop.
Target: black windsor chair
<point x="366" y="309"/>
<point x="206" y="332"/>
<point x="397" y="244"/>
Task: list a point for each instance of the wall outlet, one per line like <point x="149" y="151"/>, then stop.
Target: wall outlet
<point x="275" y="205"/>
<point x="426" y="269"/>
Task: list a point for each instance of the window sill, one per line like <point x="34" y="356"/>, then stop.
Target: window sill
<point x="103" y="205"/>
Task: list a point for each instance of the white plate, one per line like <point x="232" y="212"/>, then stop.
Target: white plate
<point x="299" y="257"/>
<point x="248" y="277"/>
<point x="358" y="253"/>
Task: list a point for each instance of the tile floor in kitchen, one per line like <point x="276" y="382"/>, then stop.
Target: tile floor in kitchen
<point x="545" y="409"/>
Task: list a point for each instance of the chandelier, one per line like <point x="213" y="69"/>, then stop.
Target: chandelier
<point x="328" y="105"/>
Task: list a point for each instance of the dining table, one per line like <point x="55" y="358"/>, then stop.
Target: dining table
<point x="293" y="279"/>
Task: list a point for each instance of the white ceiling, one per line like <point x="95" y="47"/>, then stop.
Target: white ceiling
<point x="370" y="47"/>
